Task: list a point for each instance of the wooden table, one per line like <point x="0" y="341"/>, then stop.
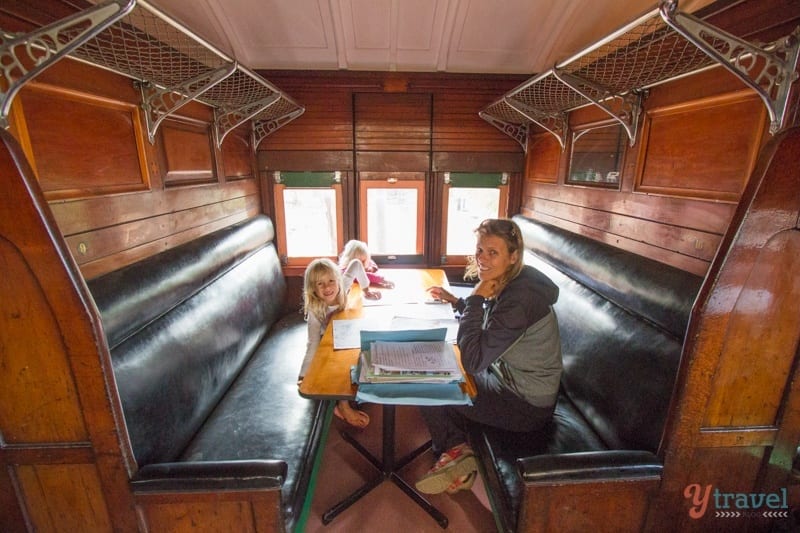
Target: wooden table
<point x="328" y="378"/>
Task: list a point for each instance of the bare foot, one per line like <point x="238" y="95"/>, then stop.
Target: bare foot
<point x="354" y="417"/>
<point x="372" y="295"/>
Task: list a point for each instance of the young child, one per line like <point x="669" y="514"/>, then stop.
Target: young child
<point x="357" y="251"/>
<point x="325" y="291"/>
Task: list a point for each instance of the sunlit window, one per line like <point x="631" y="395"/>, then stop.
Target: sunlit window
<point x="310" y="222"/>
<point x="466" y="208"/>
<point x="308" y="215"/>
<point x="392" y="216"/>
<point x="392" y="221"/>
<point x="469" y="199"/>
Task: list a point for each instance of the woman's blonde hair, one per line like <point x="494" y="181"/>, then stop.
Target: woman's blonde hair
<point x="352" y="250"/>
<point x="510" y="233"/>
<point x="316" y="270"/>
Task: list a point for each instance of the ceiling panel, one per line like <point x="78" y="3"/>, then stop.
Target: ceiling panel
<point x="478" y="36"/>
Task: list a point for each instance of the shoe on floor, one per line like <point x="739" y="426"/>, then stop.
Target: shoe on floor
<point x="456" y="462"/>
<point x="463" y="483"/>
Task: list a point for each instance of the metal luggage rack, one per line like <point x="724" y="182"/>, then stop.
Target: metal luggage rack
<point x="615" y="73"/>
<point x="170" y="64"/>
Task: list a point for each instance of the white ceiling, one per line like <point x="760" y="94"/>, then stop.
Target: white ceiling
<point x="477" y="36"/>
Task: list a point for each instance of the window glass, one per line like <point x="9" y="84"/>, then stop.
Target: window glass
<point x="466" y="208"/>
<point x="310" y="219"/>
<point x="596" y="157"/>
<point x="392" y="221"/>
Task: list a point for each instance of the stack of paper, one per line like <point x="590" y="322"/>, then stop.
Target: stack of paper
<point x="409" y="362"/>
<point x="415" y="367"/>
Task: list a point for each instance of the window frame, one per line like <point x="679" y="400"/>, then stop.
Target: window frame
<point x="622" y="148"/>
<point x="305" y="180"/>
<point x="404" y="180"/>
<point x="469" y="180"/>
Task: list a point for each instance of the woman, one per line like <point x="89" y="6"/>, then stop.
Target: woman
<point x="509" y="342"/>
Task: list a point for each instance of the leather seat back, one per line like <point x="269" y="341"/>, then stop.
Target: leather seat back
<point x="622" y="319"/>
<point x="182" y="324"/>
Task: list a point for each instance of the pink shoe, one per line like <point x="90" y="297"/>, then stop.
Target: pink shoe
<point x="456" y="462"/>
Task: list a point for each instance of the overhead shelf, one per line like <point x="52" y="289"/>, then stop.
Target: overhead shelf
<point x="171" y="65"/>
<point x="615" y="73"/>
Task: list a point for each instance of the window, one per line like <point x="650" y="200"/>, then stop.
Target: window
<point x="468" y="199"/>
<point x="392" y="214"/>
<point x="596" y="157"/>
<point x="308" y="215"/>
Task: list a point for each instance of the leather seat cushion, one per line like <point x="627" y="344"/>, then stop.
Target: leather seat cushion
<point x="568" y="432"/>
<point x="243" y="425"/>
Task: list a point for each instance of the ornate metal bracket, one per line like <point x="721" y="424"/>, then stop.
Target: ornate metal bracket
<point x="630" y="103"/>
<point x="518" y="132"/>
<point x="555" y="123"/>
<point x="158" y="103"/>
<point x="228" y="119"/>
<point x="769" y="70"/>
<point x="263" y="127"/>
<point x="49" y="44"/>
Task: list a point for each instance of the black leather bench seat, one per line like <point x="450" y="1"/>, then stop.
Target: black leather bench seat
<point x="622" y="319"/>
<point x="205" y="359"/>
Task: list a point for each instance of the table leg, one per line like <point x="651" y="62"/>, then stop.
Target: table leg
<point x="388" y="470"/>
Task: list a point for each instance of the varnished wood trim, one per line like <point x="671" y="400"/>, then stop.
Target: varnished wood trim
<point x="127" y="256"/>
<point x="305" y="160"/>
<point x="47" y="453"/>
<point x="736" y="436"/>
<point x="79" y="216"/>
<point x="687" y="241"/>
<point x="689" y="264"/>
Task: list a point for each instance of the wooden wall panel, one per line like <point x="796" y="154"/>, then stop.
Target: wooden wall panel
<point x="64" y="497"/>
<point x="238" y="154"/>
<point x="211" y="512"/>
<point x="187" y="153"/>
<point x="681" y="226"/>
<point x="326" y="123"/>
<point x="82" y="144"/>
<point x="137" y="198"/>
<point x="676" y="157"/>
<point x="544" y="158"/>
<point x="458" y="128"/>
<point x="392" y="122"/>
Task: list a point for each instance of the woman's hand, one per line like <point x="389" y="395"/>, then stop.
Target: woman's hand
<point x="487" y="289"/>
<point x="438" y="293"/>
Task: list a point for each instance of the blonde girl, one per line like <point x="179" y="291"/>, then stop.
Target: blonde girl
<point x="325" y="290"/>
<point x="356" y="250"/>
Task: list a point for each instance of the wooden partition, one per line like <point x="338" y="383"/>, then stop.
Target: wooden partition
<point x="734" y="426"/>
<point x="63" y="447"/>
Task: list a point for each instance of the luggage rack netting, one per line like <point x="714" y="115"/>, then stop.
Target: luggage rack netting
<point x="171" y="65"/>
<point x="615" y="73"/>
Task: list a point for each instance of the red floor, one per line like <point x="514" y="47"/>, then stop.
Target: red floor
<point x="387" y="508"/>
